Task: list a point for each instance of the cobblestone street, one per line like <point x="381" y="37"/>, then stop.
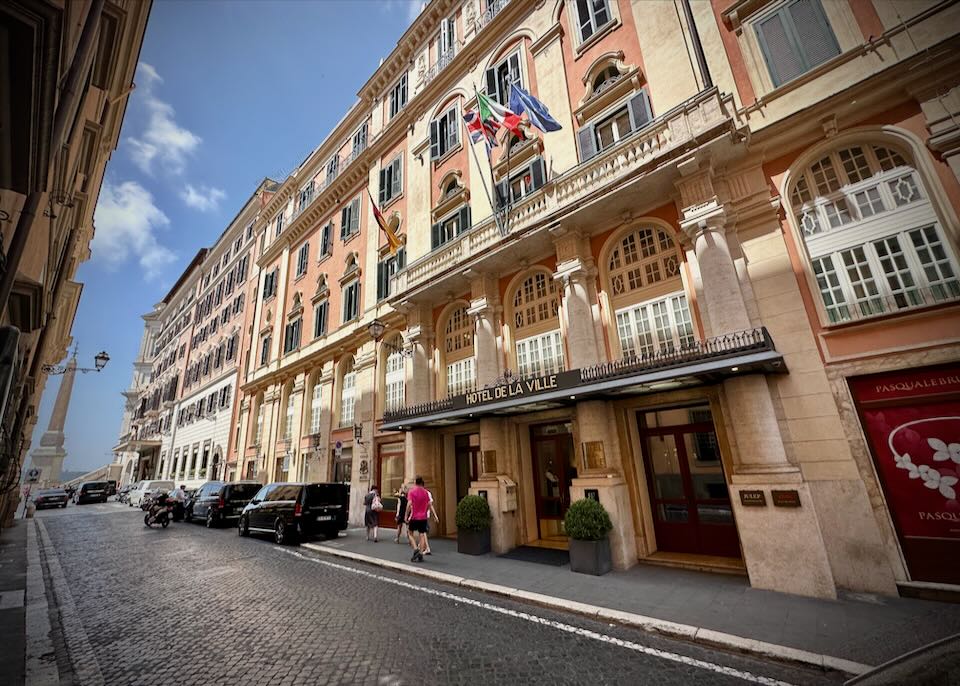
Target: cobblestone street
<point x="187" y="605"/>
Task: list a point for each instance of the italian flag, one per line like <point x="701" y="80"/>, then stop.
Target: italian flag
<point x="492" y="111"/>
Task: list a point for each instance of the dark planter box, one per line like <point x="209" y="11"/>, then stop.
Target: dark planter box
<point x="590" y="557"/>
<point x="473" y="542"/>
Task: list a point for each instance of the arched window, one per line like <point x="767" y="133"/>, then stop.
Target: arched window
<point x="872" y="235"/>
<point x="348" y="394"/>
<point x="458" y="352"/>
<point x="315" y="405"/>
<point x="393" y="375"/>
<point x="288" y="417"/>
<point x="536" y="321"/>
<point x="258" y="432"/>
<point x="606" y="78"/>
<point x="645" y="288"/>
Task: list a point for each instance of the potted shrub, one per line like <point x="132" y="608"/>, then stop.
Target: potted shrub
<point x="473" y="525"/>
<point x="588" y="525"/>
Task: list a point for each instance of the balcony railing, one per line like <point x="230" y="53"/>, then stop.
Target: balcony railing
<point x="442" y="63"/>
<point x="326" y="180"/>
<point x="494" y="8"/>
<point x="882" y="305"/>
<point x="674" y="130"/>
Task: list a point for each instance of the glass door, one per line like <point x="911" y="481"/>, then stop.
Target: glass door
<point x="553" y="471"/>
<point x="467" y="456"/>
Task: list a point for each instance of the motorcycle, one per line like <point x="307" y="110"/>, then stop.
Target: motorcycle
<point x="160" y="512"/>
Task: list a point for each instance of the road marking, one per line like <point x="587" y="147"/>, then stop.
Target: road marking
<point x="568" y="628"/>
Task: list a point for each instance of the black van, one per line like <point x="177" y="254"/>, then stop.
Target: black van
<point x="291" y="511"/>
<point x="217" y="502"/>
<point x="92" y="492"/>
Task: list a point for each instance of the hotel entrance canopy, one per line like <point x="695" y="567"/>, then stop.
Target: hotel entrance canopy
<point x="700" y="363"/>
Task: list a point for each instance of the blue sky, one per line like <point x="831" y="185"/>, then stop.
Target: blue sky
<point x="227" y="93"/>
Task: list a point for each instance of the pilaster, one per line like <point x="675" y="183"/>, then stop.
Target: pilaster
<point x="486" y="311"/>
<point x="577" y="276"/>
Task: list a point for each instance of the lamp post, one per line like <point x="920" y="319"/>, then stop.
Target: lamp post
<point x="100" y="361"/>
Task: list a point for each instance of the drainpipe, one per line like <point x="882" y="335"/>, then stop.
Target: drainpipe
<point x="69" y="101"/>
<point x="697" y="46"/>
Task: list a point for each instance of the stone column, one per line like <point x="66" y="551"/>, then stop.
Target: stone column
<point x="486" y="311"/>
<point x="318" y="461"/>
<point x="494" y="478"/>
<point x="364" y="455"/>
<point x="783" y="547"/>
<point x="577" y="276"/>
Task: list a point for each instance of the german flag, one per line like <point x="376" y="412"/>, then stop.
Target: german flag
<point x="389" y="228"/>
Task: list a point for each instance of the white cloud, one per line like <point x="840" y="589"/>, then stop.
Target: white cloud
<point x="411" y="7"/>
<point x="126" y="225"/>
<point x="202" y="198"/>
<point x="163" y="141"/>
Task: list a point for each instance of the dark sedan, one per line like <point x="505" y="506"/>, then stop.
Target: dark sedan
<point x="291" y="512"/>
<point x="217" y="502"/>
<point x="50" y="497"/>
<point x="92" y="492"/>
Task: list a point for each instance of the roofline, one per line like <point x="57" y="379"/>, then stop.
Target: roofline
<point x="194" y="263"/>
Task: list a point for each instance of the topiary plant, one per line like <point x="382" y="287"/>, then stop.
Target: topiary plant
<point x="587" y="520"/>
<point x="473" y="514"/>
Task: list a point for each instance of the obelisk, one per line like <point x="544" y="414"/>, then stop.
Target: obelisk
<point x="50" y="454"/>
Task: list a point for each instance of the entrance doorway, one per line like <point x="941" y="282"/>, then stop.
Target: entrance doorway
<point x="390" y="480"/>
<point x="467" y="456"/>
<point x="551" y="446"/>
<point x="688" y="492"/>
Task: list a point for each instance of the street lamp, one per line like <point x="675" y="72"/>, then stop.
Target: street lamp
<point x="100" y="361"/>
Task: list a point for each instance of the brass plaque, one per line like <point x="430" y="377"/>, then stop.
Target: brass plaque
<point x="785" y="498"/>
<point x="489" y="462"/>
<point x="593" y="456"/>
<point x="753" y="499"/>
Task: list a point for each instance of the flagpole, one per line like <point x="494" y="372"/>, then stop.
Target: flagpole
<point x="496" y="215"/>
<point x="501" y="227"/>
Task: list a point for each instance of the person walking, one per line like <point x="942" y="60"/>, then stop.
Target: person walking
<point x="401" y="514"/>
<point x="431" y="512"/>
<point x="418" y="507"/>
<point x="371" y="514"/>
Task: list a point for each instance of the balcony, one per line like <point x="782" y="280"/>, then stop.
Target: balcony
<point x="494" y="7"/>
<point x="707" y="116"/>
<point x="698" y="363"/>
<point x="325" y="181"/>
<point x="442" y="62"/>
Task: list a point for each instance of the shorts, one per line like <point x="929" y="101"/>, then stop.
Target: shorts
<point x="370" y="518"/>
<point x="418" y="525"/>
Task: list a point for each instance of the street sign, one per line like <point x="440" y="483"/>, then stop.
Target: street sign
<point x="33" y="474"/>
<point x="358" y="431"/>
<point x="338" y="449"/>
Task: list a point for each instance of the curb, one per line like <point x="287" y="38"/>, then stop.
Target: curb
<point x="40" y="658"/>
<point x="664" y="627"/>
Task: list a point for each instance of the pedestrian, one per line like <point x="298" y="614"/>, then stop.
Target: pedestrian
<point x="371" y="514"/>
<point x="401" y="496"/>
<point x="432" y="513"/>
<point x="418" y="508"/>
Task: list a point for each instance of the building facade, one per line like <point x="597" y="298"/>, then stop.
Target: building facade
<point x="67" y="73"/>
<point x="721" y="299"/>
<point x="179" y="409"/>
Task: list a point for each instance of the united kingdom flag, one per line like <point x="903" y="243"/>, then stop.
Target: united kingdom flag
<point x="481" y="130"/>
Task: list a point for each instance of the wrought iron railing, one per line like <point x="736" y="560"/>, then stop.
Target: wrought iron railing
<point x="881" y="305"/>
<point x="418" y="409"/>
<point x="443" y="61"/>
<point x="494" y="7"/>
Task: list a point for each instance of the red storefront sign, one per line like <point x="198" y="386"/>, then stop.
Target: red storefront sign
<point x="912" y="422"/>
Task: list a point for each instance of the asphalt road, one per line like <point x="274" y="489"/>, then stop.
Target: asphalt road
<point x="187" y="605"/>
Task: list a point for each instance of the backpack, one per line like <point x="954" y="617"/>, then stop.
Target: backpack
<point x="376" y="505"/>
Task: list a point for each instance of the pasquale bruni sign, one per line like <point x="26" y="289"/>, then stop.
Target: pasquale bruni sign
<point x="519" y="390"/>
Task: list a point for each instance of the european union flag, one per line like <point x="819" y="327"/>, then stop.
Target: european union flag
<point x="521" y="101"/>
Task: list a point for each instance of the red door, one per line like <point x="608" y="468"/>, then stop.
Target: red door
<point x="912" y="422"/>
<point x="688" y="492"/>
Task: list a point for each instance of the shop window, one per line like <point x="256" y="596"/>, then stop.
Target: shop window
<point x="606" y="132"/>
<point x="874" y="240"/>
<point x="794" y="39"/>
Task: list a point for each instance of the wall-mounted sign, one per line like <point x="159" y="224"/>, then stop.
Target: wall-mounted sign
<point x="785" y="498"/>
<point x="753" y="499"/>
<point x="516" y="390"/>
<point x="489" y="465"/>
<point x="592" y="493"/>
<point x="593" y="457"/>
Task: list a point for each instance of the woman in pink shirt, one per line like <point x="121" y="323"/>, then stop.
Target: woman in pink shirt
<point x="418" y="509"/>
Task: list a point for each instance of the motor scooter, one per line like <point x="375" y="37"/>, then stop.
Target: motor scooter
<point x="160" y="512"/>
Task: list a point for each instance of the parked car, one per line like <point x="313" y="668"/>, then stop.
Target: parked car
<point x="292" y="511"/>
<point x="135" y="496"/>
<point x="217" y="502"/>
<point x="50" y="497"/>
<point x="91" y="492"/>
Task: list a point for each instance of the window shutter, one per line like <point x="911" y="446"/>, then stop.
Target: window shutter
<point x="435" y="236"/>
<point x="355" y="215"/>
<point x="501" y="190"/>
<point x="513" y="65"/>
<point x="397" y="177"/>
<point x="453" y="131"/>
<point x="815" y="37"/>
<point x="401" y="258"/>
<point x="325" y="241"/>
<point x="464" y="218"/>
<point x="383" y="186"/>
<point x="778" y="50"/>
<point x="381" y="280"/>
<point x="434" y="139"/>
<point x="588" y="144"/>
<point x="538" y="173"/>
<point x="491" y="78"/>
<point x="639" y="106"/>
<point x="344" y="222"/>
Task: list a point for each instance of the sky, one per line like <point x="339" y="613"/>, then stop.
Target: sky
<point x="227" y="92"/>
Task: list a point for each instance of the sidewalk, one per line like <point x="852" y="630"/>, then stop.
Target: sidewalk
<point x="13" y="585"/>
<point x="858" y="628"/>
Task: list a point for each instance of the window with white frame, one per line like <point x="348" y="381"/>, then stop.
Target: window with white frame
<point x="333" y="169"/>
<point x="535" y="301"/>
<point x="265" y="343"/>
<point x="658" y="326"/>
<point x="303" y="255"/>
<point x="320" y="311"/>
<point x="398" y="96"/>
<point x="873" y="237"/>
<point x="350" y="219"/>
<point x="305" y="196"/>
<point x="360" y="140"/>
<point x="288" y="418"/>
<point x="502" y="75"/>
<point x="258" y="433"/>
<point x="387" y="269"/>
<point x="444" y="133"/>
<point x="291" y="335"/>
<point x="461" y="376"/>
<point x="391" y="180"/>
<point x="447" y="40"/>
<point x="278" y="224"/>
<point x="450" y="227"/>
<point x="326" y="241"/>
<point x="612" y="127"/>
<point x="351" y="301"/>
<point x="794" y="38"/>
<point x="642" y="258"/>
<point x="348" y="396"/>
<point x="591" y="16"/>
<point x="316" y="405"/>
<point x="458" y="352"/>
<point x="521" y="183"/>
<point x="540" y="355"/>
<point x="394" y="375"/>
